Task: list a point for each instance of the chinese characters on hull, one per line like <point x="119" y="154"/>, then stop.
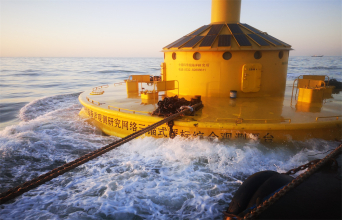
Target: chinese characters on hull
<point x="164" y="131"/>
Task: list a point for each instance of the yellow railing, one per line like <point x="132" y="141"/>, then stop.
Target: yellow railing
<point x="337" y="117"/>
<point x="237" y="120"/>
<point x="93" y="101"/>
<point x="98" y="90"/>
<point x="120" y="83"/>
<point x="270" y="120"/>
<point x="123" y="109"/>
<point x="164" y="87"/>
<point x="241" y="120"/>
<point x="297" y="80"/>
<point x="100" y="87"/>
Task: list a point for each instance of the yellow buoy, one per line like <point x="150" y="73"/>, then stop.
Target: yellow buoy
<point x="240" y="73"/>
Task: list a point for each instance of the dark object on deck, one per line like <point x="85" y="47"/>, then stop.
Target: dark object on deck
<point x="172" y="105"/>
<point x="334" y="82"/>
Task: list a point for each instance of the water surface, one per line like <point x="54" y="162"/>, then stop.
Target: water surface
<point x="146" y="178"/>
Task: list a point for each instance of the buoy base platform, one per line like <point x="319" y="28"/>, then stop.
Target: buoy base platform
<point x="267" y="119"/>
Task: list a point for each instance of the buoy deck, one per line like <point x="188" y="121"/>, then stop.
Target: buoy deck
<point x="266" y="118"/>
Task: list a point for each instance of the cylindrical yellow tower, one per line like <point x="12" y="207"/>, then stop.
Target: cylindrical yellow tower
<point x="227" y="55"/>
<point x="225" y="11"/>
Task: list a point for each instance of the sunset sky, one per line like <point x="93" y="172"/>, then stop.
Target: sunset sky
<point x="140" y="28"/>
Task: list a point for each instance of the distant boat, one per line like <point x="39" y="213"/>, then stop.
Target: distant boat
<point x="317" y="56"/>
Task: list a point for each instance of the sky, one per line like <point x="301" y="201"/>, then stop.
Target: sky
<point x="141" y="28"/>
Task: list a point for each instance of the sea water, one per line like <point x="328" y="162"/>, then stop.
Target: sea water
<point x="146" y="178"/>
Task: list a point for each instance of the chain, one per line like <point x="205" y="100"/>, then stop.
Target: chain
<point x="313" y="168"/>
<point x="25" y="187"/>
<point x="303" y="167"/>
<point x="171" y="132"/>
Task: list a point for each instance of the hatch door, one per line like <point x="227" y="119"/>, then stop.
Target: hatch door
<point x="251" y="77"/>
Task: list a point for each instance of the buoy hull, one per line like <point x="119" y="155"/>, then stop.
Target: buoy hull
<point x="224" y="121"/>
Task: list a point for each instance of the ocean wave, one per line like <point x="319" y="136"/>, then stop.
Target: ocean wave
<point x="8" y="111"/>
<point x="44" y="105"/>
<point x="107" y="71"/>
<point x="27" y="74"/>
<point x="44" y="143"/>
<point x="291" y="76"/>
<point x="120" y="71"/>
<point x="8" y="86"/>
<point x="154" y="178"/>
<point x="30" y="71"/>
<point x="325" y="68"/>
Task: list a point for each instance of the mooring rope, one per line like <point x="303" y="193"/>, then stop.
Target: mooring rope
<point x="262" y="207"/>
<point x="25" y="187"/>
